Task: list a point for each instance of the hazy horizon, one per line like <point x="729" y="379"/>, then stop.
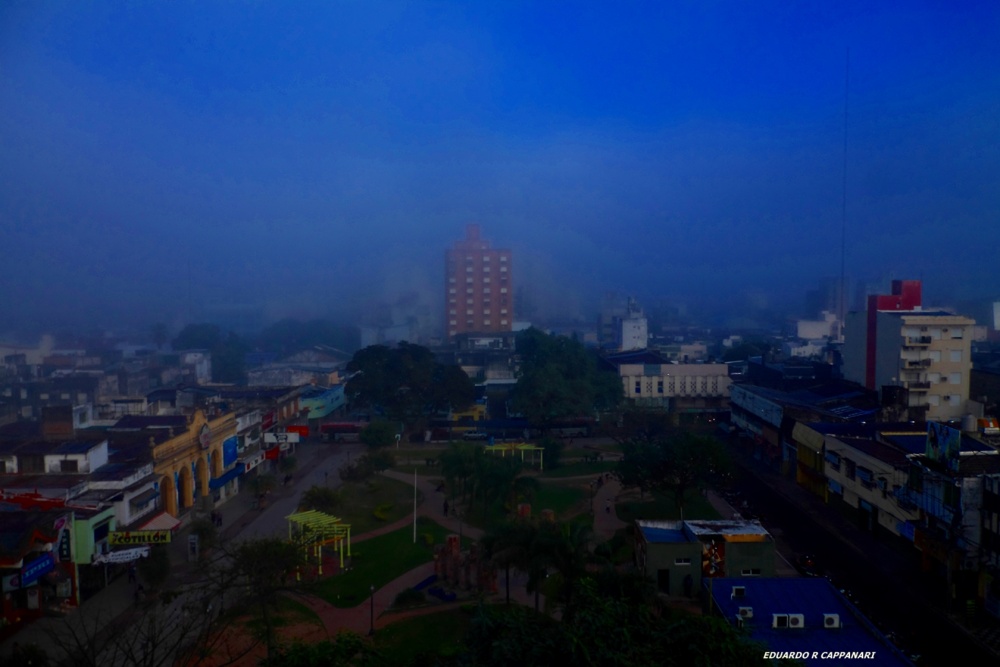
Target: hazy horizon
<point x="316" y="159"/>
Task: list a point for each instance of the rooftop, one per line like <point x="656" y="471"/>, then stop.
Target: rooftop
<point x="815" y="599"/>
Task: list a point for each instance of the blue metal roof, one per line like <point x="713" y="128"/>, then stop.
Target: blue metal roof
<point x="663" y="534"/>
<point x="813" y="598"/>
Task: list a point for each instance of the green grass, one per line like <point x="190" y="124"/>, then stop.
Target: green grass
<point x="438" y="634"/>
<point x="287" y="611"/>
<point x="661" y="507"/>
<point x="358" y="501"/>
<point x="378" y="561"/>
<point x="565" y="500"/>
<point x="579" y="469"/>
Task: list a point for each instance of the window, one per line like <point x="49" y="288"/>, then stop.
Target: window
<point x="659" y="386"/>
<point x="452" y="312"/>
<point x="503" y="311"/>
<point x="453" y="322"/>
<point x="468" y="281"/>
<point x="933" y="378"/>
<point x="503" y="258"/>
<point x="638" y="387"/>
<point x="468" y="290"/>
<point x="451" y="290"/>
<point x="934" y="400"/>
<point x="503" y="269"/>
<point x="934" y="355"/>
<point x="682" y="561"/>
<point x="957" y="334"/>
<point x="486" y="269"/>
<point x="486" y="323"/>
<point x="486" y="311"/>
<point x="69" y="465"/>
<point x="486" y="279"/>
<point x="850" y="468"/>
<point x="469" y="312"/>
<point x="452" y="279"/>
<point x="832" y="460"/>
<point x="503" y="290"/>
<point x="955" y="378"/>
<point x="954" y="400"/>
<point x="504" y="322"/>
<point x="750" y="572"/>
<point x="486" y="290"/>
<point x="954" y="355"/>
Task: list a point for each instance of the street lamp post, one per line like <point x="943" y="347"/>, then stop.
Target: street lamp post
<point x="371" y="628"/>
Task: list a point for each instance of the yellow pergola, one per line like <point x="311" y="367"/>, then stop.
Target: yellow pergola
<point x="317" y="529"/>
<point x="514" y="447"/>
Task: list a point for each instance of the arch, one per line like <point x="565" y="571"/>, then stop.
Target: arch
<point x="201" y="470"/>
<point x="216" y="466"/>
<point x="168" y="492"/>
<point x="186" y="488"/>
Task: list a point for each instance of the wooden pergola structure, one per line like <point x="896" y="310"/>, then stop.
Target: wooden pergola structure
<point x="316" y="529"/>
<point x="514" y="447"/>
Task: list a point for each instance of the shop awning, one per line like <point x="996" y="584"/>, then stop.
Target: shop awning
<point x="225" y="478"/>
<point x="161" y="522"/>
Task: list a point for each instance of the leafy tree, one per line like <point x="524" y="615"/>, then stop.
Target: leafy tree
<point x="406" y="382"/>
<point x="559" y="379"/>
<point x="321" y="498"/>
<point x="379" y="433"/>
<point x="265" y="567"/>
<point x="680" y="464"/>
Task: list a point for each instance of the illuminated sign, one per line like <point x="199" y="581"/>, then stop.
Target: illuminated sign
<point x="125" y="538"/>
<point x="36" y="568"/>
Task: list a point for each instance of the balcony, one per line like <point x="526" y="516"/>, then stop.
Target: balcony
<point x="917" y="341"/>
<point x="918" y="386"/>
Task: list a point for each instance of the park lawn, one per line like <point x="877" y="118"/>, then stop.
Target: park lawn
<point x="564" y="499"/>
<point x="287" y="612"/>
<point x="431" y="636"/>
<point x="579" y="469"/>
<point x="661" y="507"/>
<point x="358" y="501"/>
<point x="378" y="561"/>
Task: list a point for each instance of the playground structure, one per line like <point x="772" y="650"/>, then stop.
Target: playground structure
<point x="314" y="530"/>
<point x="468" y="570"/>
<point x="523" y="447"/>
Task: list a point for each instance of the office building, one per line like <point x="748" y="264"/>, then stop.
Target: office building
<point x="478" y="285"/>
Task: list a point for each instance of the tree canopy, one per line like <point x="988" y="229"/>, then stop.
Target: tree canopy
<point x="407" y="383"/>
<point x="679" y="464"/>
<point x="559" y="379"/>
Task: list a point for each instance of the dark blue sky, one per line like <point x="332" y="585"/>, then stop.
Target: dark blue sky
<point x="314" y="156"/>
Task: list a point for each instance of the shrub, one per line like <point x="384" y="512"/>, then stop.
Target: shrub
<point x="409" y="597"/>
<point x="382" y="511"/>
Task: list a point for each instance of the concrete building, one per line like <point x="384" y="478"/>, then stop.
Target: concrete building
<point x="680" y="554"/>
<point x="478" y="287"/>
<point x="895" y="343"/>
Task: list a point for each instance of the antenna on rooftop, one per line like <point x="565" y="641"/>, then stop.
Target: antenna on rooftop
<point x="843" y="203"/>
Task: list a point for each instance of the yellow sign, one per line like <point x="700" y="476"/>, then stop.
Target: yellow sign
<point x="129" y="537"/>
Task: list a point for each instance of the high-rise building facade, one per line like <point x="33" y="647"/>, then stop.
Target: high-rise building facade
<point x="478" y="287"/>
<point x="896" y="342"/>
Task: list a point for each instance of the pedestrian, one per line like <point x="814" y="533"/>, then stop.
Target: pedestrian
<point x="131" y="573"/>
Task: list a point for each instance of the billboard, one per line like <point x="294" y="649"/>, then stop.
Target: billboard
<point x="943" y="445"/>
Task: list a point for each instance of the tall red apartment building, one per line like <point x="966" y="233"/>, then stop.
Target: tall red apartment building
<point x="478" y="286"/>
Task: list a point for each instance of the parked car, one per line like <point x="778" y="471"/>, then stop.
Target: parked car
<point x="475" y="435"/>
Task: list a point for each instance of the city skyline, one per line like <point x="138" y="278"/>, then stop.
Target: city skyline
<point x="161" y="155"/>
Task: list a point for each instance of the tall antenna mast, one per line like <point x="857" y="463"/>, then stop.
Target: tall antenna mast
<point x="843" y="203"/>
